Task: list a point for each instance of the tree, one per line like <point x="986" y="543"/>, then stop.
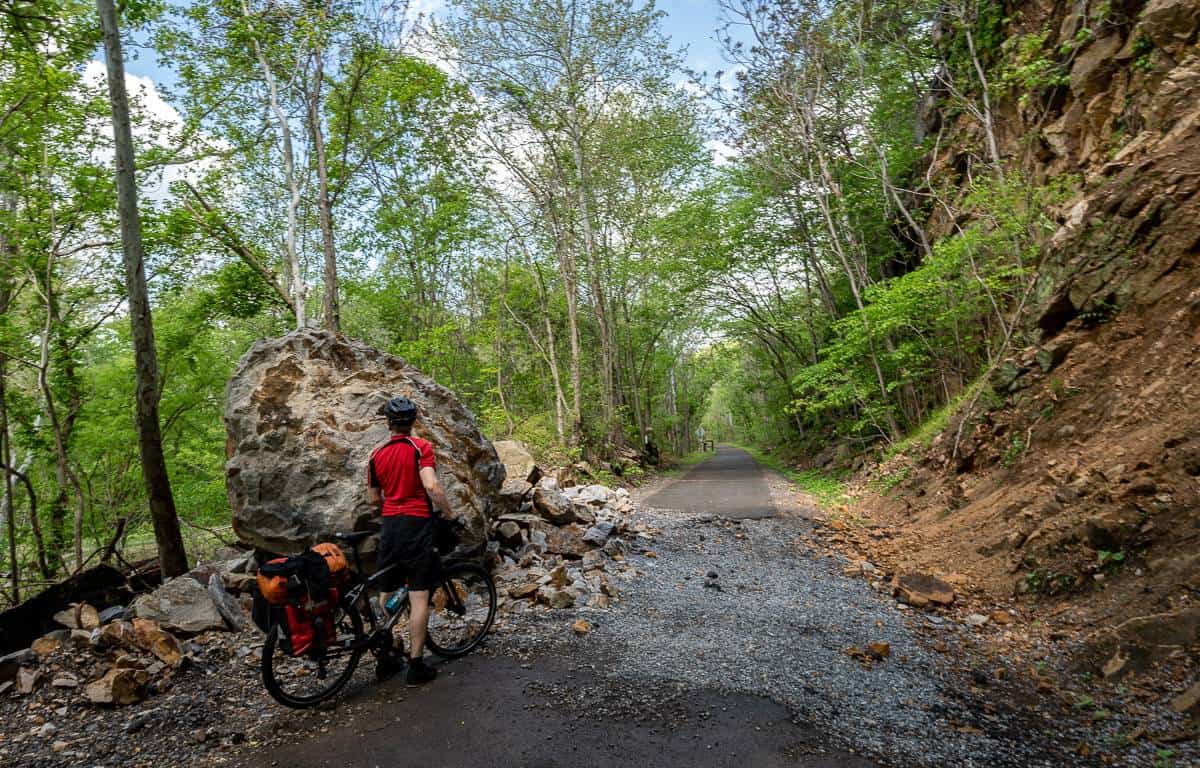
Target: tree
<point x="171" y="555"/>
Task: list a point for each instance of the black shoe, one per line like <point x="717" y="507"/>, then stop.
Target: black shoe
<point x="418" y="673"/>
<point x="388" y="666"/>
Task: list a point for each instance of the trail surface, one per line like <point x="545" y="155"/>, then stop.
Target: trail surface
<point x="730" y="484"/>
<point x="745" y="669"/>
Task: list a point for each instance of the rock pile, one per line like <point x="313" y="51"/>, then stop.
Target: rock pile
<point x="555" y="546"/>
<point x="119" y="656"/>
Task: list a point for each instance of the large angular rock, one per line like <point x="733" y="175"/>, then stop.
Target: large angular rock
<point x="922" y="589"/>
<point x="148" y="636"/>
<point x="518" y="461"/>
<point x="118" y="687"/>
<point x="226" y="604"/>
<point x="553" y="506"/>
<point x="180" y="605"/>
<point x="566" y="541"/>
<point x="302" y="415"/>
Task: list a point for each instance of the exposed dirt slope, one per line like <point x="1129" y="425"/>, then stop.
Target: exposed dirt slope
<point x="1072" y="483"/>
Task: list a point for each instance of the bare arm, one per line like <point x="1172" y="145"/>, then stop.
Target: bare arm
<point x="374" y="497"/>
<point x="434" y="489"/>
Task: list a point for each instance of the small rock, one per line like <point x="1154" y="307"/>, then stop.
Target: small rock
<point x="118" y="634"/>
<point x="1000" y="617"/>
<point x="153" y="638"/>
<point x="28" y="679"/>
<point x="180" y="604"/>
<point x="229" y="608"/>
<point x="47" y="730"/>
<point x="47" y="644"/>
<point x="556" y="598"/>
<point x="64" y="681"/>
<point x="118" y="687"/>
<point x="518" y="461"/>
<point x="524" y="590"/>
<point x="553" y="507"/>
<point x="975" y="620"/>
<point x="879" y="649"/>
<point x="509" y="534"/>
<point x="1143" y="486"/>
<point x="1188" y="701"/>
<point x="59" y="746"/>
<point x="593" y="560"/>
<point x="598" y="534"/>
<point x="114" y="613"/>
<point x="581" y="627"/>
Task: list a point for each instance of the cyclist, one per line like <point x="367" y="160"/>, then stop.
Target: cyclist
<point x="402" y="483"/>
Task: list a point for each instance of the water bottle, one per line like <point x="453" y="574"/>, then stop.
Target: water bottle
<point x="396" y="600"/>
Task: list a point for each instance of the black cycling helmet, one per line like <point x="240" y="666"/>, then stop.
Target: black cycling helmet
<point x="401" y="411"/>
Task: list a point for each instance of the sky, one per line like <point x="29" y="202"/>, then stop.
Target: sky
<point x="689" y="23"/>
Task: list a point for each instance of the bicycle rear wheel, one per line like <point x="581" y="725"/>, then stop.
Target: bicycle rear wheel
<point x="461" y="610"/>
<point x="303" y="681"/>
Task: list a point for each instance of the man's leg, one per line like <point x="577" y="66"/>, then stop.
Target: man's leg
<point x="418" y="621"/>
<point x="418" y="624"/>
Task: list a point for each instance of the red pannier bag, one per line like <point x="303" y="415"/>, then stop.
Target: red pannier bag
<point x="302" y="619"/>
<point x="299" y="594"/>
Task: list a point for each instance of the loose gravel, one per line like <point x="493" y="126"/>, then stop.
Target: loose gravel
<point x="778" y="619"/>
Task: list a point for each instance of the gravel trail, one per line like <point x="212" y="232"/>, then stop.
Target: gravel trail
<point x="777" y="620"/>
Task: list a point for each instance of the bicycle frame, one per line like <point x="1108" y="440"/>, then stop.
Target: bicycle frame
<point x="359" y="592"/>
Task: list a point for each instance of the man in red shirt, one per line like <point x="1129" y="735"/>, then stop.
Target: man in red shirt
<point x="401" y="480"/>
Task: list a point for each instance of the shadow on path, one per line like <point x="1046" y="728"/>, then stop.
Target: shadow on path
<point x="483" y="712"/>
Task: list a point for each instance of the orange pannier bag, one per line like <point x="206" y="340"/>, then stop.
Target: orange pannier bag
<point x="274" y="589"/>
<point x="339" y="569"/>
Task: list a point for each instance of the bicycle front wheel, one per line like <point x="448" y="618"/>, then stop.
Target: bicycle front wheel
<point x="461" y="610"/>
<point x="303" y="681"/>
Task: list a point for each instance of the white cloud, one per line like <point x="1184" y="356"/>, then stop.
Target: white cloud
<point x="162" y="128"/>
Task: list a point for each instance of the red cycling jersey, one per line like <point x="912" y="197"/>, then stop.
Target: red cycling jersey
<point x="393" y="470"/>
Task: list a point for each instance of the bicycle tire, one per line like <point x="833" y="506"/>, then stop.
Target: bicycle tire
<point x="276" y="689"/>
<point x="466" y="578"/>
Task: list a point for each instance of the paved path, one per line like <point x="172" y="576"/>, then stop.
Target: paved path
<point x="577" y="704"/>
<point x="488" y="712"/>
<point x="730" y="484"/>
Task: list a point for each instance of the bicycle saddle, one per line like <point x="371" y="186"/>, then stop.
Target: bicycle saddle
<point x="353" y="538"/>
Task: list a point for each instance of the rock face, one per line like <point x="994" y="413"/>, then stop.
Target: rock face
<point x="302" y="415"/>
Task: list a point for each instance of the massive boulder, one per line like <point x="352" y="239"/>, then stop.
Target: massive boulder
<point x="302" y="415"/>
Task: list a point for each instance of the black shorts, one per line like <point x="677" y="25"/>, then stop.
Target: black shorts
<point x="406" y="541"/>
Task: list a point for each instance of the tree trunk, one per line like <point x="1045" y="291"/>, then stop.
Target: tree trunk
<point x="611" y="429"/>
<point x="9" y="510"/>
<point x="566" y="263"/>
<point x="171" y="555"/>
<point x="299" y="288"/>
<point x="330" y="302"/>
